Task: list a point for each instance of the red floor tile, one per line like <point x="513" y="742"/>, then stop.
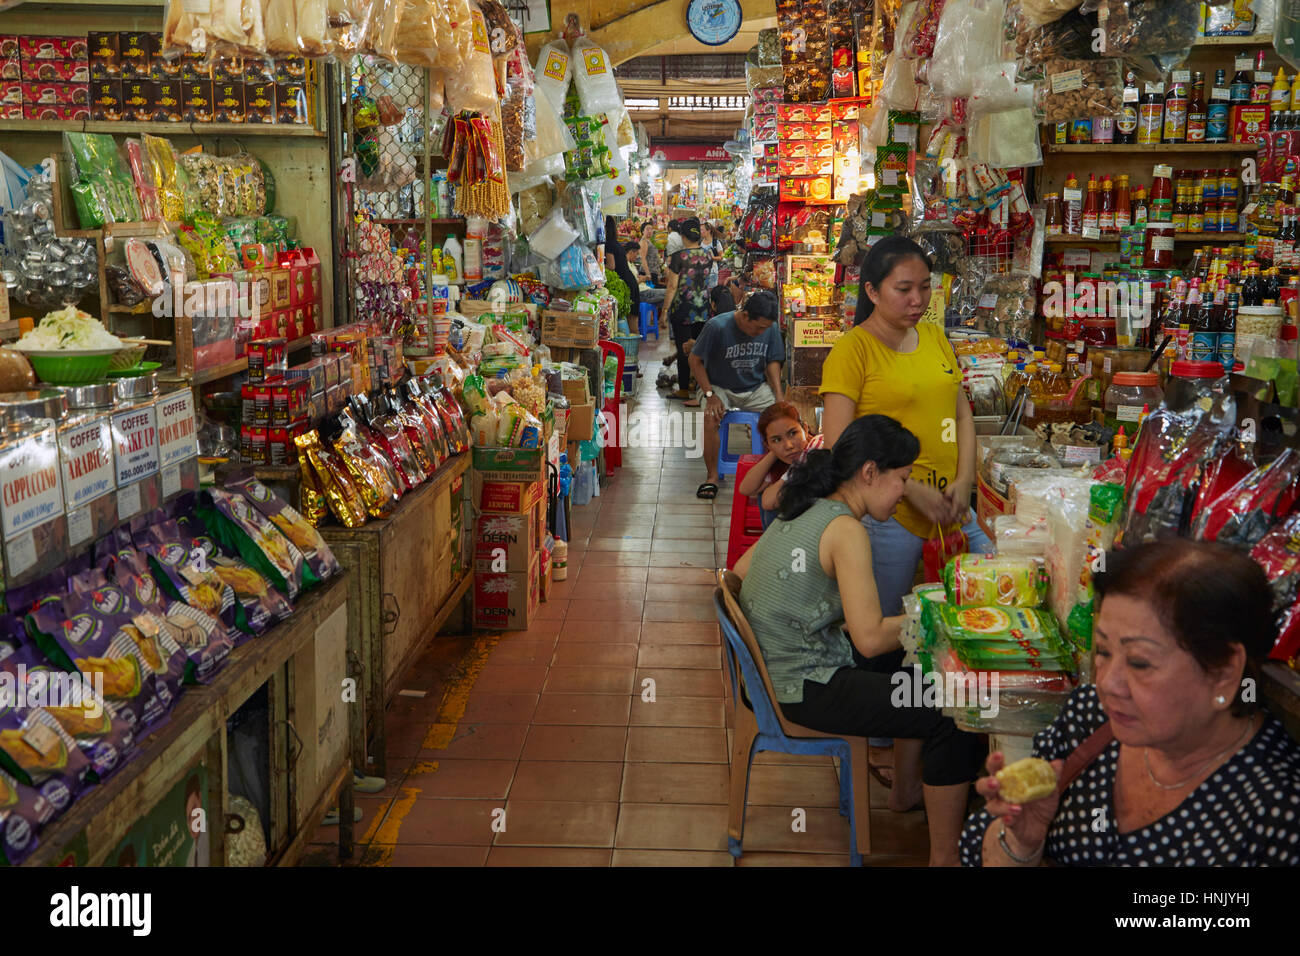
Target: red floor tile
<point x="567" y="781"/>
<point x="575" y="743"/>
<point x="595" y="710"/>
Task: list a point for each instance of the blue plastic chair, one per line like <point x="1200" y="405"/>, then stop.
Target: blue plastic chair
<point x="649" y="320"/>
<point x="727" y="461"/>
<point x="760" y="725"/>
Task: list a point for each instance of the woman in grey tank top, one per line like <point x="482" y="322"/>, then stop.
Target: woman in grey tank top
<point x="809" y="594"/>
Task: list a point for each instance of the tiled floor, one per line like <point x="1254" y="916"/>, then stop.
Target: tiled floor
<point x="541" y="747"/>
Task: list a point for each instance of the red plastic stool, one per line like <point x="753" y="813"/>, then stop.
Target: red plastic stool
<point x="746" y="516"/>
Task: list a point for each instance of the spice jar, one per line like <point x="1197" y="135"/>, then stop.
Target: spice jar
<point x="1099" y="333"/>
<point x="1128" y="394"/>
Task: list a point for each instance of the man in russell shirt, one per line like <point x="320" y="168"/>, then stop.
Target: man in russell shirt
<point x="736" y="360"/>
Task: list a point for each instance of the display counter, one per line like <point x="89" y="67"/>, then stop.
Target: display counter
<point x="303" y="661"/>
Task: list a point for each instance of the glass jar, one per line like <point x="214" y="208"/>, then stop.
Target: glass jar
<point x="1159" y="252"/>
<point x="1256" y="324"/>
<point x="1192" y="381"/>
<point x="1099" y="333"/>
<point x="1128" y="394"/>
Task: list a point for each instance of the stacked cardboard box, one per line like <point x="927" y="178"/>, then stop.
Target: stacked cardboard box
<point x="511" y="567"/>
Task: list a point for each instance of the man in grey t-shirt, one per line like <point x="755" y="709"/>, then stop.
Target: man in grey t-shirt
<point x="736" y="360"/>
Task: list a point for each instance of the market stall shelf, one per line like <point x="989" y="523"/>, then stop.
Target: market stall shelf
<point x="1155" y="149"/>
<point x="118" y="128"/>
<point x="1209" y="238"/>
<point x="403" y="590"/>
<point x="302" y="777"/>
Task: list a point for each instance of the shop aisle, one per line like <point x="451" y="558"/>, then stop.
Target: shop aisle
<point x="549" y="724"/>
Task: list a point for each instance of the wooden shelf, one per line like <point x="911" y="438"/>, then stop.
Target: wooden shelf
<point x="1155" y="149"/>
<point x="1209" y="238"/>
<point x="163" y="129"/>
<point x="457" y="221"/>
<point x="1258" y="39"/>
<point x="204" y="376"/>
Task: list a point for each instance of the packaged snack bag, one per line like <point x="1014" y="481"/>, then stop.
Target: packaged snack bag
<point x="241" y="529"/>
<point x="23" y="814"/>
<point x="998" y="638"/>
<point x="104" y="740"/>
<point x="335" y="481"/>
<point x="183" y="572"/>
<point x="978" y="579"/>
<point x="367" y="469"/>
<point x="320" y="559"/>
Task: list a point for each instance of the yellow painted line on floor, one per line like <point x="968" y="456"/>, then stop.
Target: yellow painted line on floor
<point x="381" y="837"/>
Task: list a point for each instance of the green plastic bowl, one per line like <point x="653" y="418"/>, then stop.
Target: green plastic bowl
<point x="78" y="368"/>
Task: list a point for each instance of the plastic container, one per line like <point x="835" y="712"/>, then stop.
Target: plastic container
<point x="1159" y="253"/>
<point x="1191" y="381"/>
<point x="584" y="484"/>
<point x="1128" y="394"/>
<point x="1256" y="324"/>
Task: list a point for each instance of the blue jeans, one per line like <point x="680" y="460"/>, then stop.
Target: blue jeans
<point x="895" y="553"/>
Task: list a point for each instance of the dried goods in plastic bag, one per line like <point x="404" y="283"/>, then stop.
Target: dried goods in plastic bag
<point x="1249" y="509"/>
<point x="1045" y="11"/>
<point x="1080" y="89"/>
<point x="981" y="579"/>
<point x="241" y="529"/>
<point x="553" y="72"/>
<point x="260" y="604"/>
<point x="1139" y="27"/>
<point x="1278" y="553"/>
<point x="969" y="40"/>
<point x="369" y="477"/>
<point x="594" y="75"/>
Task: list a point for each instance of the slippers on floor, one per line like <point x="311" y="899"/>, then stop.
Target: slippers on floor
<point x="708" y="491"/>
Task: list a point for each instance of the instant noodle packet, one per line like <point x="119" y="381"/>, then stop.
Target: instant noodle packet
<point x="998" y="638"/>
<point x="23" y="814"/>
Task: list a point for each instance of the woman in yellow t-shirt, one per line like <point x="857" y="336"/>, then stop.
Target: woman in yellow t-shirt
<point x="891" y="364"/>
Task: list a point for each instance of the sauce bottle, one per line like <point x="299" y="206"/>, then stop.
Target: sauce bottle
<point x="1106" y="210"/>
<point x="1175" y="124"/>
<point x="1072" y="197"/>
<point x="1054" y="215"/>
<point x="1262" y="87"/>
<point x="1151" y="112"/>
<point x="1091" y="207"/>
<point x="1239" y="88"/>
<point x="1295" y="92"/>
<point x="1216" y="111"/>
<point x="1280" y="96"/>
<point x="1126" y="123"/>
<point x="1123" y="208"/>
<point x="1141" y="209"/>
<point x="1162" y="194"/>
<point x="1197" y="112"/>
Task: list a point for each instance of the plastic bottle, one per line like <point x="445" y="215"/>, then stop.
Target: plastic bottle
<point x="475" y="232"/>
<point x="452" y="252"/>
<point x="1072" y="196"/>
<point x="560" y="561"/>
<point x="1014" y="380"/>
<point x="1280" y="96"/>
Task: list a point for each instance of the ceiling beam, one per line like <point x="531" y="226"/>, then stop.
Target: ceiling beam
<point x="643" y="29"/>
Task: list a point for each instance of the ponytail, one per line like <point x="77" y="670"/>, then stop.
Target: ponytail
<point x="875" y="438"/>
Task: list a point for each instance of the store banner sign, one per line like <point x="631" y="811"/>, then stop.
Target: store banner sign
<point x="689" y="153"/>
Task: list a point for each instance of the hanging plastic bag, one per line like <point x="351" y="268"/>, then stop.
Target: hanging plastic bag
<point x="899" y="90"/>
<point x="416" y="42"/>
<point x="553" y="135"/>
<point x="570" y="271"/>
<point x="969" y="40"/>
<point x="474" y="88"/>
<point x="995" y="88"/>
<point x="919" y="37"/>
<point x="348" y="22"/>
<point x="554" y="72"/>
<point x="1005" y="139"/>
<point x="1141" y="27"/>
<point x="553" y="237"/>
<point x="595" y="78"/>
<point x="536" y="172"/>
<point x="1039" y="12"/>
<point x="1080" y="89"/>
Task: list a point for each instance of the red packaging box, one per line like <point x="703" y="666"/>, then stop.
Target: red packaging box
<point x="56" y="71"/>
<point x="11" y="94"/>
<point x="213" y="354"/>
<point x="56" y="94"/>
<point x="313" y="319"/>
<point x="298" y="321"/>
<point x="504" y="543"/>
<point x="280" y="447"/>
<point x="279" y="288"/>
<point x="53" y="48"/>
<point x="289" y="402"/>
<point x="64" y="111"/>
<point x="253" y="444"/>
<point x="11" y="111"/>
<point x="256" y="404"/>
<point x="11" y="69"/>
<point x="511" y="497"/>
<point x="9" y="49"/>
<point x="266" y="359"/>
<point x="1249" y="122"/>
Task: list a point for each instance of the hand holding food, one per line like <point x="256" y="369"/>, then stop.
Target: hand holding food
<point x="1026" y="780"/>
<point x="1027" y="823"/>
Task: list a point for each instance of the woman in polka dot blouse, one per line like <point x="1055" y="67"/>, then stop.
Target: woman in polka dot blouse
<point x="1196" y="774"/>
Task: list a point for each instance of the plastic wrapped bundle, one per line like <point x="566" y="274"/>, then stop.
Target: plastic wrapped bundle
<point x="973" y="580"/>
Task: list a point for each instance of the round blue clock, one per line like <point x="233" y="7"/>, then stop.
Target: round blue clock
<point x="714" y="22"/>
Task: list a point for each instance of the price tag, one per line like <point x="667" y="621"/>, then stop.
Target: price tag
<point x="171" y="480"/>
<point x="1182" y="76"/>
<point x="1091" y="232"/>
<point x="988" y="301"/>
<point x="128" y="501"/>
<point x="1072" y="195"/>
<point x="80" y="526"/>
<point x="41" y="738"/>
<point x="21" y="553"/>
<point x="1067" y="82"/>
<point x="1081" y="453"/>
<point x="1130" y="94"/>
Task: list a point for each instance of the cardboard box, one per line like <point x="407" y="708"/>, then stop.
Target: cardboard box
<point x="569" y="329"/>
<point x="138" y="99"/>
<point x="291" y="104"/>
<point x="52" y="48"/>
<point x="228" y="101"/>
<point x="545" y="583"/>
<point x="194" y="66"/>
<point x="106" y="99"/>
<point x="582" y="422"/>
<point x="64" y="111"/>
<point x="539" y="525"/>
<point x="510" y="497"/>
<point x="576" y="390"/>
<point x="56" y="93"/>
<point x="137" y="50"/>
<point x="55" y="71"/>
<point x="1249" y="123"/>
<point x="290" y="69"/>
<point x="507" y="601"/>
<point x="11" y="93"/>
<point x="198" y="101"/>
<point x="169" y="100"/>
<point x="510" y="464"/>
<point x="505" y="543"/>
<point x="259" y="102"/>
<point x="11" y="69"/>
